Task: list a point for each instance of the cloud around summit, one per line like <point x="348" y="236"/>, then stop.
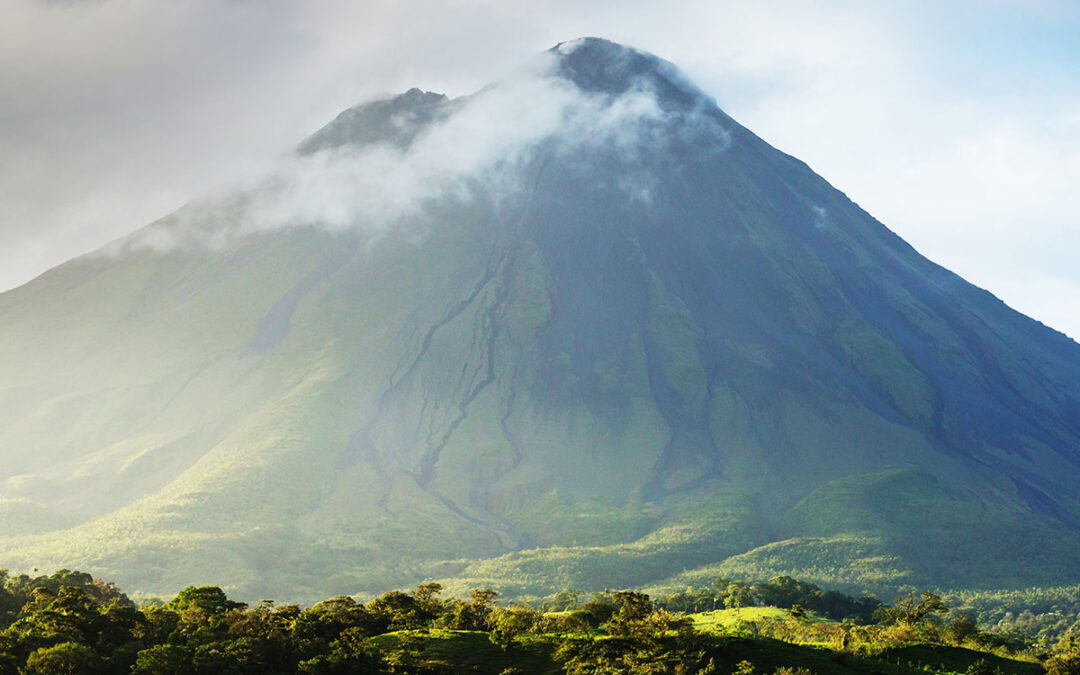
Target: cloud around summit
<point x="957" y="125"/>
<point x="480" y="147"/>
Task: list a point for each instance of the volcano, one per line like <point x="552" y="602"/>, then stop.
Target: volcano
<point x="579" y="329"/>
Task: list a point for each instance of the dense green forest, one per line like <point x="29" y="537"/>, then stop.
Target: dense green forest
<point x="69" y="622"/>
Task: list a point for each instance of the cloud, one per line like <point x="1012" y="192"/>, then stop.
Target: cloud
<point x="115" y="113"/>
<point x="480" y="149"/>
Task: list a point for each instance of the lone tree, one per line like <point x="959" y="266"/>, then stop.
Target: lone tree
<point x="911" y="609"/>
<point x="739" y="595"/>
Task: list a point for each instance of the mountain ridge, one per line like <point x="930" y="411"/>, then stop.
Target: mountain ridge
<point x="630" y="334"/>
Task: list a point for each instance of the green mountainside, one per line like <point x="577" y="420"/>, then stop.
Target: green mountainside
<point x="656" y="351"/>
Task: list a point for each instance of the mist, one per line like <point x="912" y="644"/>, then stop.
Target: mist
<point x="479" y="147"/>
<point x="957" y="126"/>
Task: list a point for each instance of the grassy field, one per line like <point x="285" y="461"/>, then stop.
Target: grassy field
<point x="728" y="619"/>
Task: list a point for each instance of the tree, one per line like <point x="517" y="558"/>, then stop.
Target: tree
<point x="209" y="600"/>
<point x="9" y="603"/>
<point x="66" y="658"/>
<point x="960" y="627"/>
<point x="327" y="619"/>
<point x="910" y="609"/>
<point x="163" y="660"/>
<point x="406" y="657"/>
<point x="980" y="667"/>
<point x="160" y="624"/>
<point x="241" y="655"/>
<point x="1066" y="658"/>
<point x="597" y="610"/>
<point x="634" y="610"/>
<point x="399" y="609"/>
<point x="739" y="595"/>
<point x="481" y="604"/>
<point x="427" y="600"/>
<point x="744" y="667"/>
<point x="509" y="623"/>
<point x="632" y="606"/>
<point x="784" y="591"/>
<point x="1063" y="664"/>
<point x="49" y="619"/>
<point x="608" y="656"/>
<point x="201" y="612"/>
<point x="563" y="601"/>
<point x="719" y="590"/>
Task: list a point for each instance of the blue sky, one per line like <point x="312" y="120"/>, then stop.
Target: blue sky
<point x="957" y="124"/>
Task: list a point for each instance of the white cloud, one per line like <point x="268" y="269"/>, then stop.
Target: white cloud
<point x="484" y="143"/>
<point x="953" y="123"/>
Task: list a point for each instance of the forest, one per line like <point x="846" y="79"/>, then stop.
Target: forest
<point x="70" y="622"/>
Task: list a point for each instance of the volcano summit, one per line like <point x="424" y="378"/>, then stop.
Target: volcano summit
<point x="578" y="329"/>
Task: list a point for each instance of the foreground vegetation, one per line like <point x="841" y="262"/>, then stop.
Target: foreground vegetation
<point x="69" y="622"/>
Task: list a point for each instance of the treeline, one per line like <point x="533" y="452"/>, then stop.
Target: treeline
<point x="69" y="622"/>
<point x="1038" y="615"/>
<point x="784" y="592"/>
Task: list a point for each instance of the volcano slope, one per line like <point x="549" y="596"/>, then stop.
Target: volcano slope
<point x="579" y="329"/>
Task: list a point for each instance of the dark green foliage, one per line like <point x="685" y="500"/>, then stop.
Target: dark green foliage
<point x="508" y="624"/>
<point x="91" y="628"/>
<point x="563" y="601"/>
<point x="1063" y="664"/>
<point x="980" y="667"/>
<point x="633" y="607"/>
<point x="620" y="655"/>
<point x="208" y="601"/>
<point x="473" y="615"/>
<point x="327" y="619"/>
<point x="782" y="591"/>
<point x="396" y="610"/>
<point x="1066" y="657"/>
<point x="598" y="610"/>
<point x="66" y="658"/>
<point x="9" y="603"/>
<point x="427" y="600"/>
<point x="1042" y="615"/>
<point x="960" y="627"/>
<point x="16" y="591"/>
<point x="164" y="659"/>
<point x="910" y="609"/>
<point x="958" y="660"/>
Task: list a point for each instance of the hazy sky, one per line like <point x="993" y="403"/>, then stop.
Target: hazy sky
<point x="957" y="124"/>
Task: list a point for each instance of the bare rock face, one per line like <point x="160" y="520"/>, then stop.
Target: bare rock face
<point x="605" y="333"/>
